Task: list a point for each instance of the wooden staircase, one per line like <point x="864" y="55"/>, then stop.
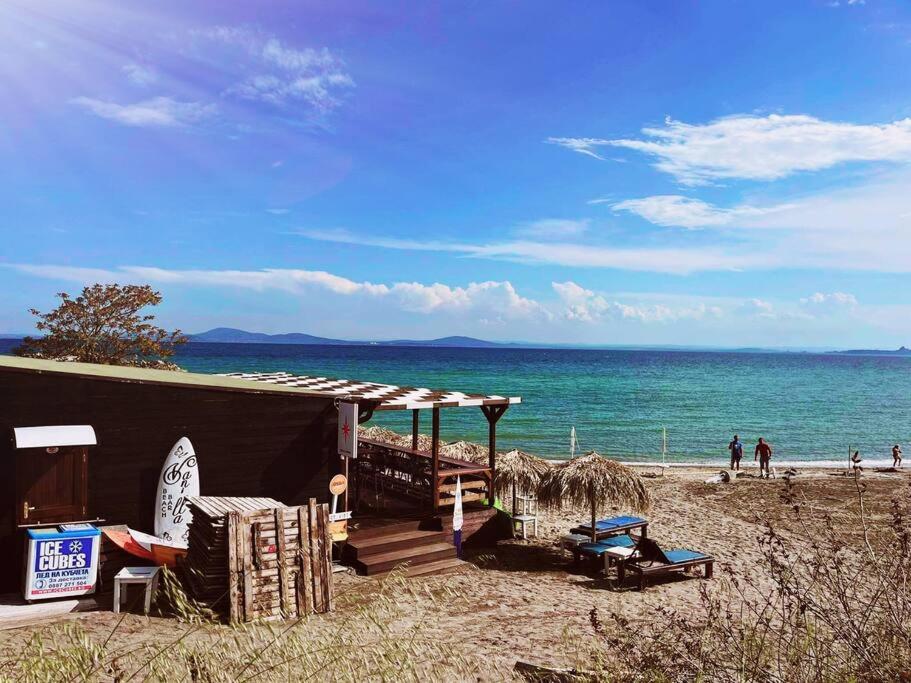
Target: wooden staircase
<point x="422" y="545"/>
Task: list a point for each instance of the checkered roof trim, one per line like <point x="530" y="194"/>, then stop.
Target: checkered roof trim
<point x="389" y="396"/>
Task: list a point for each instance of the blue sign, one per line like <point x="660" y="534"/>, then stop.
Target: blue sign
<point x="63" y="554"/>
<point x="61" y="563"/>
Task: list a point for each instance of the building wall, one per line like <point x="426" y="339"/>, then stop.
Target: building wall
<point x="247" y="444"/>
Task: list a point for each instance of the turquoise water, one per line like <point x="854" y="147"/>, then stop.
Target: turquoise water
<point x="809" y="406"/>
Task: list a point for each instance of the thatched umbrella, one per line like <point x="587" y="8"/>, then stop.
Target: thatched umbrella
<point x="519" y="471"/>
<point x="593" y="480"/>
<point x="466" y="450"/>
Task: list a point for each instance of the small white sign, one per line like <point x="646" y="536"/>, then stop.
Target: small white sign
<point x="339" y="516"/>
<point x="347" y="429"/>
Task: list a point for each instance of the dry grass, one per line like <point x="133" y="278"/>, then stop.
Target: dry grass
<point x="370" y="638"/>
<point x="838" y="611"/>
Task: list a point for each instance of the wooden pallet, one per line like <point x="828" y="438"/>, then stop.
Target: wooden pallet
<point x="253" y="558"/>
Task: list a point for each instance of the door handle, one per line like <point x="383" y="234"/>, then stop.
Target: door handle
<point x="26" y="509"/>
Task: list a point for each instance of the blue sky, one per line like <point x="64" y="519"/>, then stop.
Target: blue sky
<point x="615" y="173"/>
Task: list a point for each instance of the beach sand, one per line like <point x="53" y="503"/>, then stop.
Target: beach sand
<point x="518" y="600"/>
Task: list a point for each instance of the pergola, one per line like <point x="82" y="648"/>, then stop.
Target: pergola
<point x="374" y="396"/>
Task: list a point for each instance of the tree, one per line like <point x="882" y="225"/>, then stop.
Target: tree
<point x="104" y="325"/>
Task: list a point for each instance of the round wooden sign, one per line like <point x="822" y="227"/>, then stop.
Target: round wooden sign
<point x="338" y="484"/>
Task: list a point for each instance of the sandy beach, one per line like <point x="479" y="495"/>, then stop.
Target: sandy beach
<point x="522" y="600"/>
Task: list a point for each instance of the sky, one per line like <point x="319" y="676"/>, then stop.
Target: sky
<point x="628" y="172"/>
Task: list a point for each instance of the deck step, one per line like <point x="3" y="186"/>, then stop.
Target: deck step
<point x="447" y="566"/>
<point x="423" y="524"/>
<point x="413" y="556"/>
<point x="364" y="547"/>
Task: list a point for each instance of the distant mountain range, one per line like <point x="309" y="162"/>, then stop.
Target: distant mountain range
<point x="902" y="351"/>
<point x="230" y="335"/>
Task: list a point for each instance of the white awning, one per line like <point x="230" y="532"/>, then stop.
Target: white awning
<point x="47" y="437"/>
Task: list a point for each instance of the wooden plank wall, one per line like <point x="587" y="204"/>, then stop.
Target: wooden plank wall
<point x="247" y="444"/>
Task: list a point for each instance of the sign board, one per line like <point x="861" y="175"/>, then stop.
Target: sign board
<point x="339" y="516"/>
<point x="61" y="563"/>
<point x="338" y="484"/>
<point x="347" y="429"/>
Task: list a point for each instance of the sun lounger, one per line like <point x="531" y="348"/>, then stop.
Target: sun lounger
<point x="613" y="527"/>
<point x="595" y="551"/>
<point x="652" y="560"/>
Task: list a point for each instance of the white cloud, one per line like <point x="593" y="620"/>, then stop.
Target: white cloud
<point x="679" y="261"/>
<point x="757" y="307"/>
<point x="584" y="305"/>
<point x="280" y="74"/>
<point x="685" y="212"/>
<point x="490" y="300"/>
<point x="829" y="303"/>
<point x="162" y="112"/>
<point x="140" y="74"/>
<point x="554" y="227"/>
<point x="278" y="212"/>
<point x="758" y="148"/>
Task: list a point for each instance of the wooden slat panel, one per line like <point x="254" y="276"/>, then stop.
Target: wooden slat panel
<point x="282" y="562"/>
<point x="304" y="581"/>
<point x="315" y="556"/>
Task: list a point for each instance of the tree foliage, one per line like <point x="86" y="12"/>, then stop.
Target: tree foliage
<point x="104" y="324"/>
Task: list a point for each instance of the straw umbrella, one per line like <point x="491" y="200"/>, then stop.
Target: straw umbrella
<point x="466" y="450"/>
<point x="593" y="480"/>
<point x="519" y="471"/>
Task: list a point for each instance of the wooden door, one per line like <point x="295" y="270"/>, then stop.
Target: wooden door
<point x="51" y="485"/>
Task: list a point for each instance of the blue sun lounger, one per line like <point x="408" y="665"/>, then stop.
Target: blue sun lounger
<point x="652" y="560"/>
<point x="595" y="551"/>
<point x="613" y="526"/>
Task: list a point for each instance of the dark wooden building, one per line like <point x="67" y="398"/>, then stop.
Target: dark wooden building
<point x="271" y="435"/>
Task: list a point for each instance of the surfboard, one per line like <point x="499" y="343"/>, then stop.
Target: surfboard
<point x="179" y="480"/>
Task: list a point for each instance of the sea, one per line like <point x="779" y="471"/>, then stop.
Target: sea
<point x="810" y="406"/>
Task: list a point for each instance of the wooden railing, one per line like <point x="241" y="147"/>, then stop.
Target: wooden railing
<point x="409" y="474"/>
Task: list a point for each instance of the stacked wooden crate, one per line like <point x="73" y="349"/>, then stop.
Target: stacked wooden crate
<point x="253" y="558"/>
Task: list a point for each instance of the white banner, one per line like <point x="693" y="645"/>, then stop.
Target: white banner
<point x="457" y="508"/>
<point x="347" y="429"/>
<point x="339" y="516"/>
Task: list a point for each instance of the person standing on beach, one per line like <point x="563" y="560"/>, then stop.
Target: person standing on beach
<point x="896" y="456"/>
<point x="764" y="455"/>
<point x="736" y="449"/>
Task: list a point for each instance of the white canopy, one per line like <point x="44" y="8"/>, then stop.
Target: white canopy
<point x="47" y="437"/>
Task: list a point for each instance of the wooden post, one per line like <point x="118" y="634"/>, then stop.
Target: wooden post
<point x="326" y="558"/>
<point x="493" y="415"/>
<point x="415" y="428"/>
<point x="435" y="454"/>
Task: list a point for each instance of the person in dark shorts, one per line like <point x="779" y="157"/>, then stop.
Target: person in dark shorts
<point x="736" y="449"/>
<point x="764" y="455"/>
<point x="896" y="456"/>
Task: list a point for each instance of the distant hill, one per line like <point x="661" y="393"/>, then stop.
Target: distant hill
<point x="902" y="351"/>
<point x="229" y="335"/>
